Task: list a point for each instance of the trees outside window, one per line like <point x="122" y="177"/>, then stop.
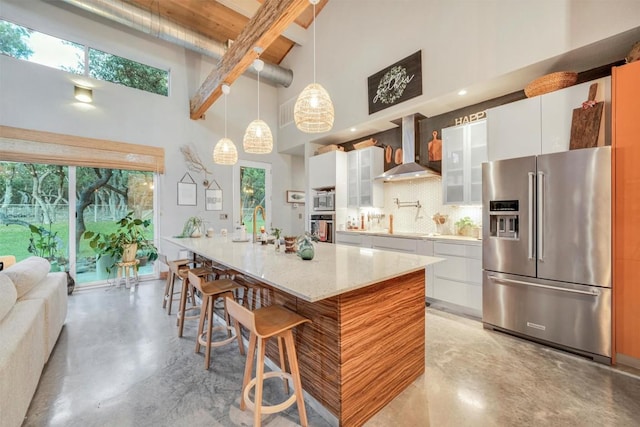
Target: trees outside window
<point x="36" y="206"/>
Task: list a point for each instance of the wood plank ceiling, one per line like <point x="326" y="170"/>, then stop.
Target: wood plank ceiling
<point x="214" y="20"/>
<point x="221" y="23"/>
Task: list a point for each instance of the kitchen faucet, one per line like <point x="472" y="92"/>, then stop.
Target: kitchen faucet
<point x="255" y="215"/>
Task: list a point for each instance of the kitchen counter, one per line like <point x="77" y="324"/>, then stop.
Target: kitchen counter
<point x="334" y="270"/>
<point x="417" y="236"/>
<point x="366" y="340"/>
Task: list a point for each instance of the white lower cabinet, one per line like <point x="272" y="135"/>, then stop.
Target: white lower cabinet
<point x="348" y="239"/>
<point x="458" y="279"/>
<point x="425" y="247"/>
<point x="352" y="239"/>
<point x="397" y="244"/>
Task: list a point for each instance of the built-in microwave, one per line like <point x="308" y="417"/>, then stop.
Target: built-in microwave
<point x="324" y="201"/>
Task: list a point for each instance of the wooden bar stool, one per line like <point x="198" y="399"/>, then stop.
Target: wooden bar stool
<point x="212" y="290"/>
<point x="188" y="292"/>
<point x="171" y="277"/>
<point x="264" y="323"/>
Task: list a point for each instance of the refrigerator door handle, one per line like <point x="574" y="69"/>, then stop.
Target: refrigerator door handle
<point x="591" y="291"/>
<point x="540" y="216"/>
<point x="531" y="190"/>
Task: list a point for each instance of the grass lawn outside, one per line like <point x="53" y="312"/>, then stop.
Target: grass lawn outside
<point x="14" y="239"/>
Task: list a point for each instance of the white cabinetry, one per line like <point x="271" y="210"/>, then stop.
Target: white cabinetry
<point x="464" y="149"/>
<point x="326" y="169"/>
<point x="397" y="244"/>
<point x="541" y="124"/>
<point x="353" y="239"/>
<point x="425" y="247"/>
<point x="362" y="167"/>
<point x="458" y="279"/>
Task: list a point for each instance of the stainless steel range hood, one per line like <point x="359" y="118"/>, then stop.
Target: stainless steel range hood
<point x="409" y="169"/>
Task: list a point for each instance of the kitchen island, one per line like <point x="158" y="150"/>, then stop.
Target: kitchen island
<point x="366" y="342"/>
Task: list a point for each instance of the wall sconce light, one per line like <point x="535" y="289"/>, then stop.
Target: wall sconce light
<point x="82" y="94"/>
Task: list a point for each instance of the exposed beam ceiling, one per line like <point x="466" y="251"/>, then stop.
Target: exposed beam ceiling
<point x="266" y="25"/>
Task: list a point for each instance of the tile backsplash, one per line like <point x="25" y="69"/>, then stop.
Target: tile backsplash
<point x="418" y="220"/>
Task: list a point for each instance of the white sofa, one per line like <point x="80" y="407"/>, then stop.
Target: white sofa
<point x="33" y="308"/>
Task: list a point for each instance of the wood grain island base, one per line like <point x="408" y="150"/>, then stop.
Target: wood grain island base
<point x="366" y="344"/>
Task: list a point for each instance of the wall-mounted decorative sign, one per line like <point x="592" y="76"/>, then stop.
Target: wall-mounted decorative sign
<point x="396" y="83"/>
<point x="295" y="196"/>
<point x="187" y="194"/>
<point x="213" y="198"/>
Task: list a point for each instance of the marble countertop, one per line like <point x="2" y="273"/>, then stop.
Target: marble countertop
<point x="417" y="236"/>
<point x="335" y="269"/>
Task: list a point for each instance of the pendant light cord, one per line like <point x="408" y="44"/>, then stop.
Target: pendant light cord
<point x="314" y="42"/>
<point x="225" y="115"/>
<point x="258" y="94"/>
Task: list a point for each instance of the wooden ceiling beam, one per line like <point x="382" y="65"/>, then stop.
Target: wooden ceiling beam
<point x="263" y="28"/>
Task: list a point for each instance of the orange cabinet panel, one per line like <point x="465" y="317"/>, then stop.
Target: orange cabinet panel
<point x="626" y="163"/>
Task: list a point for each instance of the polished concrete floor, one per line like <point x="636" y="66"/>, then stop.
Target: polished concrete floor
<point x="118" y="362"/>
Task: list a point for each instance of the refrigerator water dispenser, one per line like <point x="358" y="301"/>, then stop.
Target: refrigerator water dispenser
<point x="504" y="219"/>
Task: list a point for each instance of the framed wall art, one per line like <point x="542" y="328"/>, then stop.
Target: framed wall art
<point x="295" y="196"/>
<point x="187" y="191"/>
<point x="213" y="198"/>
<point x="396" y="83"/>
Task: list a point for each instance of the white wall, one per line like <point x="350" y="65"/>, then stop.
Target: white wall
<point x="41" y="98"/>
<point x="464" y="43"/>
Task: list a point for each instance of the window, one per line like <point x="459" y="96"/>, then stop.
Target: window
<point x="38" y="213"/>
<point x="26" y="44"/>
<point x="252" y="181"/>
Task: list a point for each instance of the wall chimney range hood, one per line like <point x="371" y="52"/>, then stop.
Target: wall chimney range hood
<point x="409" y="169"/>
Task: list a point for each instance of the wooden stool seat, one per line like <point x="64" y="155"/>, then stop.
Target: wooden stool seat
<point x="169" y="294"/>
<point x="187" y="290"/>
<point x="123" y="269"/>
<point x="265" y="323"/>
<point x="211" y="290"/>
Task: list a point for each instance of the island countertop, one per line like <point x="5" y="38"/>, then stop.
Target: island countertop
<point x="334" y="270"/>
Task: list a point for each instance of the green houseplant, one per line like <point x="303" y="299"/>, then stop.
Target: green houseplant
<point x="123" y="243"/>
<point x="192" y="227"/>
<point x="46" y="244"/>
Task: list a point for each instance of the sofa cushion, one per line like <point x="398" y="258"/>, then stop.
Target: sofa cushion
<point x="26" y="274"/>
<point x="8" y="296"/>
<point x="53" y="291"/>
<point x="22" y="356"/>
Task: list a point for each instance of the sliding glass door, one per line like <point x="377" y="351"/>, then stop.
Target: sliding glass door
<point x="40" y="216"/>
<point x="34" y="212"/>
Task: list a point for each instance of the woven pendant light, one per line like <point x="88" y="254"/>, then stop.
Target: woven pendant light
<point x="258" y="138"/>
<point x="225" y="152"/>
<point x="313" y="111"/>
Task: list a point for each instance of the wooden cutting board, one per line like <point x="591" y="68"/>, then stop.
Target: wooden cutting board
<point x="585" y="123"/>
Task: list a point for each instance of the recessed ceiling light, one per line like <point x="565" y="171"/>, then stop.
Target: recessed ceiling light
<point x="353" y="129"/>
<point x="462" y="92"/>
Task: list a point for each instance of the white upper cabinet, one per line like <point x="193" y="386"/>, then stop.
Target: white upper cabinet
<point x="323" y="171"/>
<point x="363" y="190"/>
<point x="513" y="130"/>
<point x="541" y="124"/>
<point x="464" y="149"/>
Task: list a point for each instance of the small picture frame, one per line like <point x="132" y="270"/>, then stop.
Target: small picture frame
<point x="213" y="199"/>
<point x="295" y="196"/>
<point x="187" y="191"/>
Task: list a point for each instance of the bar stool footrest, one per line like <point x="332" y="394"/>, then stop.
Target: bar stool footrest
<point x="271" y="409"/>
<point x="202" y="339"/>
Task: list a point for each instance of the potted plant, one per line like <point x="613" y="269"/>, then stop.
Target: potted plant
<point x="45" y="244"/>
<point x="123" y="243"/>
<point x="465" y="226"/>
<point x="276" y="233"/>
<point x="192" y="227"/>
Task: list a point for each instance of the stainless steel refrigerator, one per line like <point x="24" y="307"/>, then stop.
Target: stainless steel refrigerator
<point x="547" y="249"/>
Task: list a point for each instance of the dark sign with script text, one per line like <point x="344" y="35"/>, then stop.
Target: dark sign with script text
<point x="396" y="83"/>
